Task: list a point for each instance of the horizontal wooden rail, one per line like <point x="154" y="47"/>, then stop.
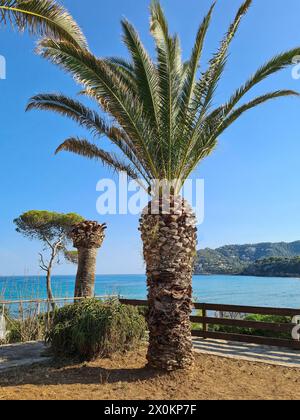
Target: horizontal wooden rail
<point x="65" y="299"/>
<point x="134" y="302"/>
<point x="257" y="310"/>
<point x="251" y="339"/>
<point x="240" y="323"/>
<point x="207" y="321"/>
<point x="248" y="309"/>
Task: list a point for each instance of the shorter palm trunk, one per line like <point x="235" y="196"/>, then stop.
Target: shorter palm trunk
<point x="88" y="238"/>
<point x="169" y="251"/>
<point x="85" y="279"/>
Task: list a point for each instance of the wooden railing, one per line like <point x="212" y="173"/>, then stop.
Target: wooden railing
<point x="208" y="321"/>
<point x="47" y="301"/>
<point x="23" y="308"/>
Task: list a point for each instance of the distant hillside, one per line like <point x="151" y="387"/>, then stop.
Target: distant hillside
<point x="274" y="267"/>
<point x="235" y="259"/>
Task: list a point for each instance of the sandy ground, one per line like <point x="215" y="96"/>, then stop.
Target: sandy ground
<point x="125" y="377"/>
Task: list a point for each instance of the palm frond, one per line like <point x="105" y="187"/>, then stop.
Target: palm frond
<point x="118" y="101"/>
<point x="235" y="114"/>
<point x="216" y="123"/>
<point x="170" y="72"/>
<point x="276" y="64"/>
<point x="193" y="64"/>
<point x="75" y="110"/>
<point x="86" y="149"/>
<point x="147" y="79"/>
<point x="89" y="119"/>
<point x="42" y="17"/>
<point x="124" y="73"/>
<point x="121" y="62"/>
<point x="145" y="72"/>
<point x="206" y="86"/>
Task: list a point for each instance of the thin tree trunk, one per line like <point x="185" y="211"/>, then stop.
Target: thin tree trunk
<point x="87" y="237"/>
<point x="48" y="269"/>
<point x="169" y="250"/>
<point x="85" y="279"/>
<point x="49" y="289"/>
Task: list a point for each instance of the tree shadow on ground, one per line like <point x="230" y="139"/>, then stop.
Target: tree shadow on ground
<point x="64" y="374"/>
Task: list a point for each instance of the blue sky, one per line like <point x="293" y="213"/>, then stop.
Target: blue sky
<point x="251" y="180"/>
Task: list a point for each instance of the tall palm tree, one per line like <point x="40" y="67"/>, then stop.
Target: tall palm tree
<point x="42" y="17"/>
<point x="163" y="121"/>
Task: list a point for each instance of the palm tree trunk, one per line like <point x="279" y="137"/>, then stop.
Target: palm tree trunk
<point x="85" y="279"/>
<point x="169" y="250"/>
<point x="88" y="238"/>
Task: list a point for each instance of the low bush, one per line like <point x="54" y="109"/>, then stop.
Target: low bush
<point x="27" y="326"/>
<point x="92" y="329"/>
<point x="22" y="331"/>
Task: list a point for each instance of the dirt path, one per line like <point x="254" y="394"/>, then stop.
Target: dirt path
<point x="125" y="377"/>
<point x="19" y="355"/>
<point x="249" y="352"/>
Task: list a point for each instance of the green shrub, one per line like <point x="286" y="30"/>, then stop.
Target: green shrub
<point x="92" y="329"/>
<point x="196" y="326"/>
<point x="143" y="310"/>
<point x="5" y="312"/>
<point x="25" y="326"/>
<point x="22" y="331"/>
<point x="270" y="318"/>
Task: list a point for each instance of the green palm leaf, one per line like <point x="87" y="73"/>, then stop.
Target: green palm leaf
<point x="216" y="123"/>
<point x="193" y="64"/>
<point x="206" y="87"/>
<point x="207" y="84"/>
<point x="89" y="119"/>
<point x="253" y="104"/>
<point x="42" y="17"/>
<point x="277" y="63"/>
<point x="106" y="86"/>
<point x="84" y="148"/>
<point x="170" y="71"/>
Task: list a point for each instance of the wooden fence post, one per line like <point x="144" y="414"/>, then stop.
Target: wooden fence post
<point x="204" y="325"/>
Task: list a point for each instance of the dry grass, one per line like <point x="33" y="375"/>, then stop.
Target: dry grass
<point x="125" y="377"/>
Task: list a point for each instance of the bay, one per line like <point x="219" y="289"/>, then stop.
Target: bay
<point x="235" y="290"/>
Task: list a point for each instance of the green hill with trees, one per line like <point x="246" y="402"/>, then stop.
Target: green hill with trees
<point x="266" y="259"/>
<point x="274" y="267"/>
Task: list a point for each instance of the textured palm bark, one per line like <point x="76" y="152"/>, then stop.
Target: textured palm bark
<point x="169" y="250"/>
<point x="85" y="279"/>
<point x="88" y="238"/>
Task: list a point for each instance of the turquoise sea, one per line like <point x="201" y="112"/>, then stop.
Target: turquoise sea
<point x="254" y="291"/>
